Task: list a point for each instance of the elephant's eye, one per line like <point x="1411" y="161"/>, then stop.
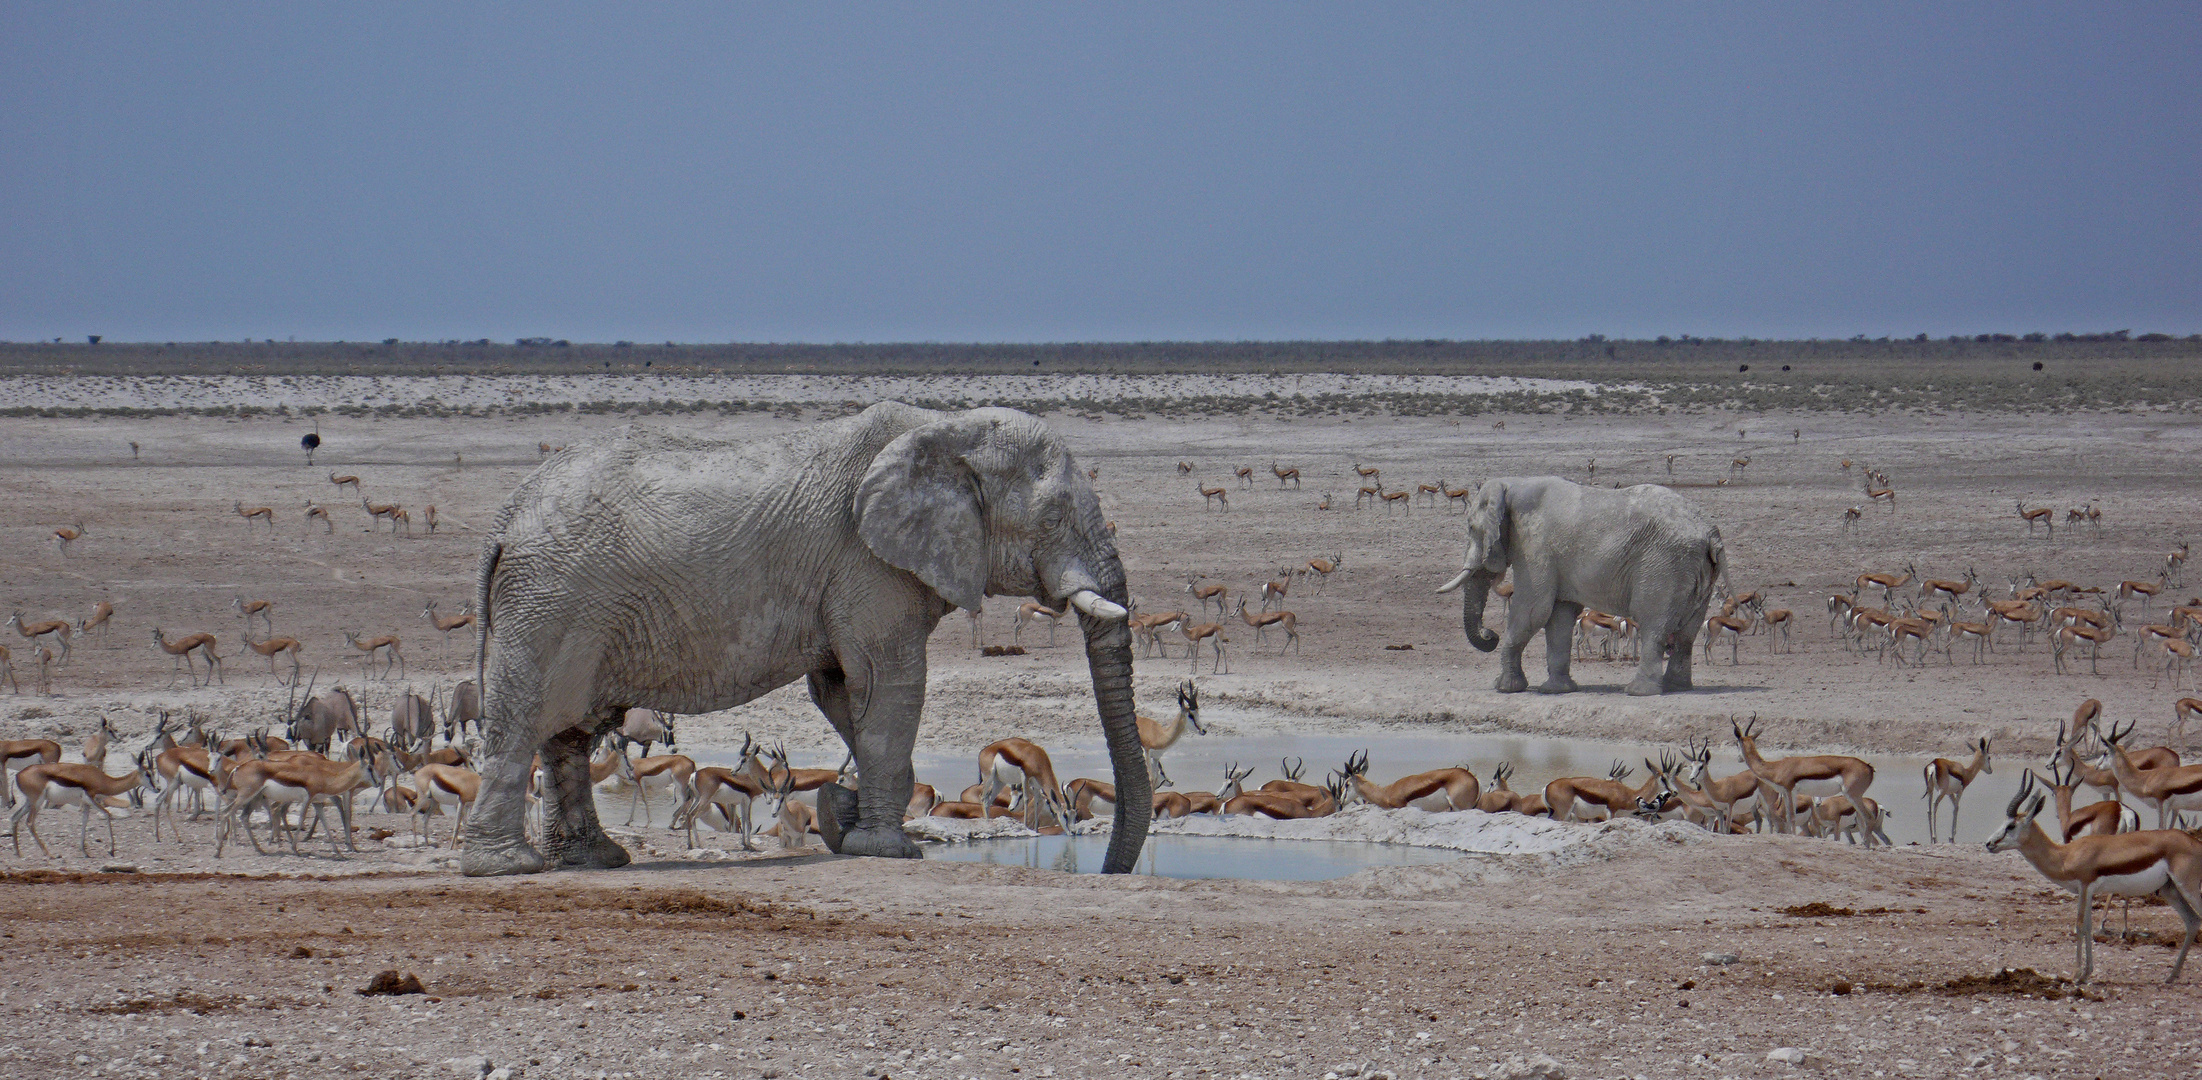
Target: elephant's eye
<point x="1052" y="520"/>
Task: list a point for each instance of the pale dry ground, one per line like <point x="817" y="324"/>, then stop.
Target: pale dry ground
<point x="163" y="544"/>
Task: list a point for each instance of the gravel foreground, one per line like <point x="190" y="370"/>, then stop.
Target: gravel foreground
<point x="1661" y="963"/>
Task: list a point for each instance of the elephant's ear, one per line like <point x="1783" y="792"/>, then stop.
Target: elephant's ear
<point x="919" y="510"/>
<point x="1495" y="522"/>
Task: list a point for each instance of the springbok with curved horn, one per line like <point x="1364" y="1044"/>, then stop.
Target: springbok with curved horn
<point x="1156" y="736"/>
<point x="1947" y="780"/>
<point x="1437" y="790"/>
<point x="1816" y="775"/>
<point x="2171" y="790"/>
<point x="1322" y="569"/>
<point x="2163" y="862"/>
<point x="1566" y="795"/>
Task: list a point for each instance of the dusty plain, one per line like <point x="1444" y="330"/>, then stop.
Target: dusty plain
<point x="820" y="967"/>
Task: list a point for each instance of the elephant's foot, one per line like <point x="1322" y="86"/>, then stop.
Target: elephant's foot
<point x="597" y="852"/>
<point x="879" y="842"/>
<point x="1676" y="682"/>
<point x="1557" y="684"/>
<point x="1645" y="686"/>
<point x="1512" y="682"/>
<point x="479" y="860"/>
<point x="836" y="814"/>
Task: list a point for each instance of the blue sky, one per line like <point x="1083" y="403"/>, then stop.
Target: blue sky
<point x="1051" y="172"/>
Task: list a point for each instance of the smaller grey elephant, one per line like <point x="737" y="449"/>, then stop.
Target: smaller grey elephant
<point x="1642" y="552"/>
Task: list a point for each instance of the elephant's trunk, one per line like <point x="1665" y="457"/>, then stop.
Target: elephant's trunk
<point x="1109" y="657"/>
<point x="1474" y="593"/>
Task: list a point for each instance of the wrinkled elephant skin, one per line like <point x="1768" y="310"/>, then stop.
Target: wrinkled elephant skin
<point x="648" y="570"/>
<point x="1642" y="552"/>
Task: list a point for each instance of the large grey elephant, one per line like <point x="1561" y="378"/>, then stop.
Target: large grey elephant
<point x="648" y="570"/>
<point x="1643" y="552"/>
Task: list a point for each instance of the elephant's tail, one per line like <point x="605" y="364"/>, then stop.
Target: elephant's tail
<point x="1715" y="569"/>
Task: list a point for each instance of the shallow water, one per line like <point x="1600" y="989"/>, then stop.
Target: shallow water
<point x="1197" y="763"/>
<point x="1197" y="856"/>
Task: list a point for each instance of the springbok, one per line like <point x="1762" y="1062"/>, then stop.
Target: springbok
<point x="1261" y="622"/>
<point x="2171" y="790"/>
<point x="1034" y="612"/>
<point x="1219" y="592"/>
<point x="66" y="535"/>
<point x="1216" y="495"/>
<point x="445" y="624"/>
<point x="58" y="628"/>
<point x="1283" y="475"/>
<point x="2163" y="862"/>
<point x="182" y="649"/>
<point x="1022" y="764"/>
<point x="1438" y="790"/>
<point x="1565" y="795"/>
<point x="252" y="513"/>
<point x="1817" y="775"/>
<point x="1212" y="633"/>
<point x="1947" y="780"/>
<point x="1322" y="569"/>
<point x="1156" y="736"/>
<point x="68" y="784"/>
<point x="370" y="646"/>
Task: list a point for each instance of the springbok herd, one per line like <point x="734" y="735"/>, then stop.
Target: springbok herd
<point x="327" y="756"/>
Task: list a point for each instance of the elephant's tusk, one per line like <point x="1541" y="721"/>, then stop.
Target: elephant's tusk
<point x="1456" y="582"/>
<point x="1096" y="605"/>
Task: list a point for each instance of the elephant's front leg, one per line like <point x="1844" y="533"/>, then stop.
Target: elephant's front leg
<point x="882" y="746"/>
<point x="572" y="837"/>
<point x="1559" y="648"/>
<point x="1521" y="625"/>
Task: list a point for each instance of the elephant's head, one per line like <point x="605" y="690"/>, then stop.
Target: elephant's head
<point x="989" y="502"/>
<point x="1489" y="525"/>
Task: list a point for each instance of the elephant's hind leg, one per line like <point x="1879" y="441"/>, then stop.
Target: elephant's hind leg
<point x="495" y="848"/>
<point x="1559" y="646"/>
<point x="572" y="836"/>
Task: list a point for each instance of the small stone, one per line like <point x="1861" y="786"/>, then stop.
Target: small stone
<point x="502" y="1073"/>
<point x="1841" y="987"/>
<point x="472" y="1065"/>
<point x="389" y="982"/>
<point x="1537" y="1067"/>
<point x="1787" y="1055"/>
<point x="1721" y="958"/>
<point x="118" y="868"/>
